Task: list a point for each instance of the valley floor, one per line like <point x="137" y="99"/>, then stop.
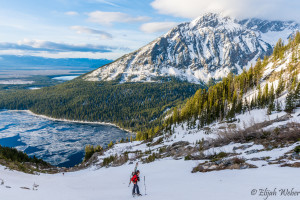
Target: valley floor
<point x="165" y="179"/>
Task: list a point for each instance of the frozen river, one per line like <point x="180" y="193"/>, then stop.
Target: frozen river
<point x="59" y="143"/>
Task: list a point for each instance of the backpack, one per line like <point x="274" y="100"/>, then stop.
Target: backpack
<point x="135" y="178"/>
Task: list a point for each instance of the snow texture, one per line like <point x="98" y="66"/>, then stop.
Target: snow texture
<point x="165" y="179"/>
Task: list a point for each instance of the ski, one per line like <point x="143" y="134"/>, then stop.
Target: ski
<point x="136" y="195"/>
<point x="136" y="165"/>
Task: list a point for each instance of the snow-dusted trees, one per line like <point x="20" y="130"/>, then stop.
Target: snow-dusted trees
<point x="292" y="99"/>
<point x="279" y="50"/>
<point x="90" y="150"/>
<point x="281" y="86"/>
<point x="224" y="99"/>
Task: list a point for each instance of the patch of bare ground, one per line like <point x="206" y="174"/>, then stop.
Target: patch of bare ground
<point x="280" y="137"/>
<point x="232" y="163"/>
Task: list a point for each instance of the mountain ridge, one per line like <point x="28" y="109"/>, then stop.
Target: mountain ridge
<point x="211" y="46"/>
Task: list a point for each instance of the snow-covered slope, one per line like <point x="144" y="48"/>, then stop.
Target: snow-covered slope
<point x="168" y="178"/>
<point x="275" y="70"/>
<point x="210" y="46"/>
<point x="165" y="179"/>
<point x="272" y="73"/>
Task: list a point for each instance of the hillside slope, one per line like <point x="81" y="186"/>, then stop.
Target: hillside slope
<point x="166" y="179"/>
<point x="267" y="85"/>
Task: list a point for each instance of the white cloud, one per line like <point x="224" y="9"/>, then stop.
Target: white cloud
<point x="267" y="9"/>
<point x="107" y="18"/>
<point x="102" y="34"/>
<point x="154" y="27"/>
<point x="53" y="47"/>
<point x="71" y="13"/>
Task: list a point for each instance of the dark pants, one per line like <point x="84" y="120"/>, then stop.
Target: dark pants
<point x="136" y="187"/>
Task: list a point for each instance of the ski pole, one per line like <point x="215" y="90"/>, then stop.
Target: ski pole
<point x="129" y="181"/>
<point x="145" y="184"/>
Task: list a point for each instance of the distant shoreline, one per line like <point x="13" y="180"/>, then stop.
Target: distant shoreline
<point x="72" y="121"/>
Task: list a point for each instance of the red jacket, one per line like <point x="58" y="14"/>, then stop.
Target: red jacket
<point x="135" y="178"/>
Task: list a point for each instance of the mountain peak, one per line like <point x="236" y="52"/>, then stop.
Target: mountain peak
<point x="210" y="20"/>
<point x="211" y="46"/>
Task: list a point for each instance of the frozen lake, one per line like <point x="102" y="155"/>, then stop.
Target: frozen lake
<point x="59" y="143"/>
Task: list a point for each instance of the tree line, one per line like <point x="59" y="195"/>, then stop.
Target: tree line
<point x="134" y="106"/>
<point x="225" y="99"/>
<point x="12" y="154"/>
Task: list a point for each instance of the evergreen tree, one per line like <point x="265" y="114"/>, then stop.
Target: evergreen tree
<point x="211" y="82"/>
<point x="271" y="107"/>
<point x="265" y="95"/>
<point x="259" y="97"/>
<point x="246" y="106"/>
<point x="278" y="49"/>
<point x="289" y="102"/>
<point x="278" y="106"/>
<point x="280" y="87"/>
<point x="175" y="115"/>
<point x="257" y="71"/>
<point x="239" y="107"/>
<point x="271" y="94"/>
<point x="297" y="38"/>
<point x="110" y="144"/>
<point x="297" y="95"/>
<point x="270" y="102"/>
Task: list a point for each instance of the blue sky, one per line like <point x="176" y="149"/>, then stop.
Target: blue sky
<point x="111" y="28"/>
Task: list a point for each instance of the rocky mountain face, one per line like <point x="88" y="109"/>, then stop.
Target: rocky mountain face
<point x="210" y="46"/>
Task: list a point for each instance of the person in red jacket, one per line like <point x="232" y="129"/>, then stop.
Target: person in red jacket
<point x="134" y="180"/>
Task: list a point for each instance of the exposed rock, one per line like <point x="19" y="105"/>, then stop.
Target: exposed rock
<point x="296" y="164"/>
<point x="243" y="147"/>
<point x="234" y="166"/>
<point x="295" y="156"/>
<point x="251" y="151"/>
<point x="233" y="163"/>
<point x="180" y="144"/>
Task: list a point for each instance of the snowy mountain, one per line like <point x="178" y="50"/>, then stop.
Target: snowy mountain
<point x="210" y="46"/>
<point x="250" y="157"/>
<point x="278" y="78"/>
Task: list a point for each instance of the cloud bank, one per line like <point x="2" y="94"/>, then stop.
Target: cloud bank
<point x="157" y="26"/>
<point x="53" y="47"/>
<point x="266" y="9"/>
